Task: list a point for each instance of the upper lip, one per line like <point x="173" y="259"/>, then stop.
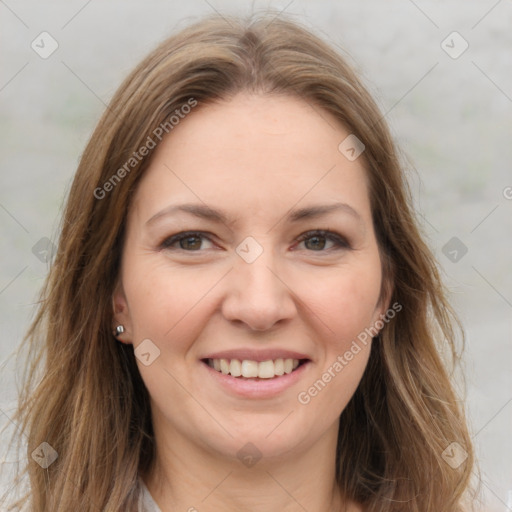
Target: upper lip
<point x="256" y="355"/>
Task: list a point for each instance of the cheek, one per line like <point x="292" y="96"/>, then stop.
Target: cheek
<point x="165" y="303"/>
<point x="345" y="301"/>
<point x="346" y="305"/>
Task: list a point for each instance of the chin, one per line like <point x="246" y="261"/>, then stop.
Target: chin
<point x="273" y="437"/>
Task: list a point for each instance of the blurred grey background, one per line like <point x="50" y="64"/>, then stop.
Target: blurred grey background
<point x="440" y="71"/>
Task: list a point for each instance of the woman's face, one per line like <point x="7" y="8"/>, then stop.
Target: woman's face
<point x="255" y="284"/>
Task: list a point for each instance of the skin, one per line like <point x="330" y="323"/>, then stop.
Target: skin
<point x="256" y="157"/>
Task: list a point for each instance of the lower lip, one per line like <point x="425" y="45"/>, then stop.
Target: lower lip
<point x="262" y="388"/>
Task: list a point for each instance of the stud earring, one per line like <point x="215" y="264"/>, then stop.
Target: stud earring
<point x="118" y="330"/>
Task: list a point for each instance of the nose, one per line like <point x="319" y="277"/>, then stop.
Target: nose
<point x="258" y="295"/>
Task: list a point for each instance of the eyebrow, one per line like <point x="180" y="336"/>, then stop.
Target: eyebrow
<point x="205" y="212"/>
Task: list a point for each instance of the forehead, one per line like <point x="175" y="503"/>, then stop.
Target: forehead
<point x="254" y="153"/>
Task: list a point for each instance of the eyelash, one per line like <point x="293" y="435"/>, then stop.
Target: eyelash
<point x="341" y="242"/>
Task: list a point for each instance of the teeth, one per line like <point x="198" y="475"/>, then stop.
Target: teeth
<point x="235" y="368"/>
<point x="266" y="369"/>
<point x="252" y="369"/>
<point x="279" y="367"/>
<point x="249" y="368"/>
<point x="224" y="366"/>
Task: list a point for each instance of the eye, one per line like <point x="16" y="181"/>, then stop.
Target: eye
<point x="191" y="241"/>
<point x="318" y="238"/>
<point x="188" y="241"/>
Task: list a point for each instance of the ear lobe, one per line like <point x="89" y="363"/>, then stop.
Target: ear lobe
<point x="384" y="301"/>
<point x="121" y="315"/>
<point x="387" y="292"/>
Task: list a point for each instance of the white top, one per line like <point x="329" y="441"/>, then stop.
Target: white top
<point x="146" y="501"/>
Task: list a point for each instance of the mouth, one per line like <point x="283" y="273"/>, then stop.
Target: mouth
<point x="250" y="370"/>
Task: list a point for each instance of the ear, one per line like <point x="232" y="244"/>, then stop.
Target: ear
<point x="121" y="314"/>
<point x="383" y="305"/>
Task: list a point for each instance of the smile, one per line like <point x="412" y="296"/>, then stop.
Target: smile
<point x="250" y="369"/>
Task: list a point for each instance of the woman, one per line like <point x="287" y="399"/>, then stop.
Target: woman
<point x="242" y="313"/>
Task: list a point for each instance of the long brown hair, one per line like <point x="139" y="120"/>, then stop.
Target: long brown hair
<point x="83" y="394"/>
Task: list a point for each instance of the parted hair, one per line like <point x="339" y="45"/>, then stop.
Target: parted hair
<point x="82" y="392"/>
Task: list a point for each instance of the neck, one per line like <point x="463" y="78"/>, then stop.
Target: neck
<point x="192" y="478"/>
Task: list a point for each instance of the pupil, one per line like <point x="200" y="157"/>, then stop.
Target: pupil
<point x="186" y="240"/>
<point x="317" y="238"/>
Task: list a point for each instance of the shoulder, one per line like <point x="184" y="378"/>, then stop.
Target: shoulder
<point x="146" y="501"/>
